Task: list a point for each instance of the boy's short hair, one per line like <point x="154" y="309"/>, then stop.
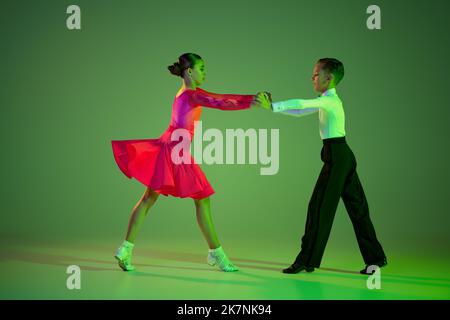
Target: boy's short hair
<point x="334" y="66"/>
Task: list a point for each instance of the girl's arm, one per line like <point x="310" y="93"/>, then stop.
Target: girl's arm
<point x="228" y="102"/>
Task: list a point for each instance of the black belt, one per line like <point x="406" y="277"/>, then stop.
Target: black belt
<point x="334" y="140"/>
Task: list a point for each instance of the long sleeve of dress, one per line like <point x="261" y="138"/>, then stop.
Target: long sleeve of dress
<point x="226" y="102"/>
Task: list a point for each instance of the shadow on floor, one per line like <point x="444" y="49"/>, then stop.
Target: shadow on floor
<point x="66" y="260"/>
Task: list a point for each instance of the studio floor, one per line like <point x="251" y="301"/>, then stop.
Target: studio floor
<point x="177" y="270"/>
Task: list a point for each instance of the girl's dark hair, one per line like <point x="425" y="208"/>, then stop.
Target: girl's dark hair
<point x="185" y="61"/>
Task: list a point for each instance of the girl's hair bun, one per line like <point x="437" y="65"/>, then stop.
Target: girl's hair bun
<point x="185" y="61"/>
<point x="175" y="69"/>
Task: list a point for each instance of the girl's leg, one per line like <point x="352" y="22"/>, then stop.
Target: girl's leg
<point x="216" y="255"/>
<point x="140" y="212"/>
<point x="124" y="252"/>
<point x="204" y="219"/>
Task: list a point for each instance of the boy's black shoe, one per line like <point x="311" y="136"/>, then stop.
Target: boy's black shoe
<point x="296" y="268"/>
<point x="380" y="264"/>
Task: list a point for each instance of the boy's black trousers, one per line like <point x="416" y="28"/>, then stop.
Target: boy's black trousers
<point x="338" y="178"/>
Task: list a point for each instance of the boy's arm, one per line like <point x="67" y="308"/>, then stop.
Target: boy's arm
<point x="302" y="104"/>
<point x="299" y="112"/>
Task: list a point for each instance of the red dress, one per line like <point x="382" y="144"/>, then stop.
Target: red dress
<point x="149" y="160"/>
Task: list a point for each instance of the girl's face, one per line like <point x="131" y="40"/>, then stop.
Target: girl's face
<point x="198" y="73"/>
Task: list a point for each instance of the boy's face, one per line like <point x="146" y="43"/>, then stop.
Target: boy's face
<point x="320" y="78"/>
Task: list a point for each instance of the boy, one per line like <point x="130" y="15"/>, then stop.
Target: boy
<point x="338" y="177"/>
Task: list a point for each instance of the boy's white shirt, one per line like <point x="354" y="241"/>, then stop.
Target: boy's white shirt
<point x="329" y="106"/>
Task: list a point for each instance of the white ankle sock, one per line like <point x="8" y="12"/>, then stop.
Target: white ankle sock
<point x="128" y="245"/>
<point x="222" y="260"/>
<point x="216" y="250"/>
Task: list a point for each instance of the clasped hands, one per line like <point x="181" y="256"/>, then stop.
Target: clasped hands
<point x="263" y="100"/>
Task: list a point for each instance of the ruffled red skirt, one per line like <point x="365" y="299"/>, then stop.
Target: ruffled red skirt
<point x="149" y="161"/>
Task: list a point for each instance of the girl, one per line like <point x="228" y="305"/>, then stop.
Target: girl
<point x="149" y="160"/>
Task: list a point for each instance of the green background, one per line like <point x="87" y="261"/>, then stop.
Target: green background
<point x="65" y="94"/>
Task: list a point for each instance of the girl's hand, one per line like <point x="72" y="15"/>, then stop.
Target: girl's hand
<point x="264" y="99"/>
<point x="255" y="103"/>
